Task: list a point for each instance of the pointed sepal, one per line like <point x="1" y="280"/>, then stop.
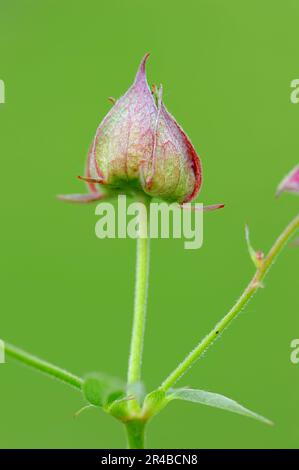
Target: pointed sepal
<point x="256" y="256"/>
<point x="215" y="400"/>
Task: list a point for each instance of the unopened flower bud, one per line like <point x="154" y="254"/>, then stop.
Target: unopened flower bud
<point x="290" y="183"/>
<point x="140" y="147"/>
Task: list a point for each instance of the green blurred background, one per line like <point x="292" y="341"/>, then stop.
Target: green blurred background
<point x="226" y="68"/>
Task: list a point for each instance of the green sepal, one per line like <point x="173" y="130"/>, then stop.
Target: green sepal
<point x="119" y="409"/>
<point x="256" y="256"/>
<point x="102" y="390"/>
<point x="154" y="402"/>
<point x="215" y="400"/>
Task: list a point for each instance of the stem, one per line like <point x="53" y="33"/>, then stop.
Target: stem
<point x="141" y="287"/>
<point x="43" y="366"/>
<point x="247" y="294"/>
<point x="135" y="434"/>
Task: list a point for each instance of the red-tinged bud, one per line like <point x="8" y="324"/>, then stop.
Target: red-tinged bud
<point x="140" y="147"/>
<point x="290" y="183"/>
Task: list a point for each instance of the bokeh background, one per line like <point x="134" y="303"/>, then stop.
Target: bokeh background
<point x="67" y="296"/>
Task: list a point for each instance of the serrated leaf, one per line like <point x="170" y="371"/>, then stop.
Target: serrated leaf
<point x="215" y="400"/>
<point x="101" y="390"/>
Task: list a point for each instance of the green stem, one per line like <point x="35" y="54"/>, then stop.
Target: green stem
<point x="249" y="291"/>
<point x="43" y="366"/>
<point x="141" y="287"/>
<point x="135" y="434"/>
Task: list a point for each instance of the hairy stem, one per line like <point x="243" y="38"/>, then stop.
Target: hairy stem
<point x="247" y="294"/>
<point x="43" y="366"/>
<point x="135" y="434"/>
<point x="141" y="287"/>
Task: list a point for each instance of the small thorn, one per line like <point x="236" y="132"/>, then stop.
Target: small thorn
<point x="111" y="99"/>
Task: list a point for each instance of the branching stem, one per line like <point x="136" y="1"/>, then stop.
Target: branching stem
<point x="43" y="366"/>
<point x="247" y="294"/>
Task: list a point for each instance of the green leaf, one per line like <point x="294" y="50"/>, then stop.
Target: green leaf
<point x="101" y="390"/>
<point x="119" y="409"/>
<point x="215" y="400"/>
<point x="154" y="402"/>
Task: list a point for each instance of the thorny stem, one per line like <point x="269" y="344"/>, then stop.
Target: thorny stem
<point x="141" y="286"/>
<point x="247" y="294"/>
<point x="43" y="366"/>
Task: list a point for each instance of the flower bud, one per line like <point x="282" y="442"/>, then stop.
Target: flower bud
<point x="290" y="183"/>
<point x="140" y="146"/>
